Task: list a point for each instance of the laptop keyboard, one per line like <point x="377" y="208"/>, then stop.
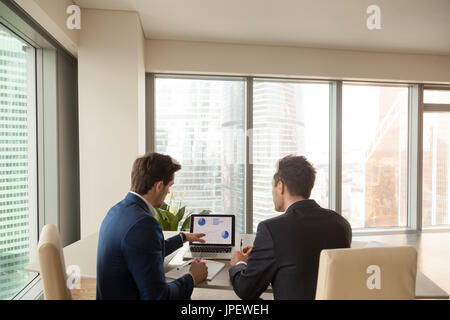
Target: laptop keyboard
<point x="210" y="249"/>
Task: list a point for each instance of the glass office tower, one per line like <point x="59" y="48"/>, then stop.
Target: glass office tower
<point x="288" y="118"/>
<point x="200" y="123"/>
<point x="17" y="74"/>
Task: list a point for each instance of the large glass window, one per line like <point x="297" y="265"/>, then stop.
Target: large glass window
<point x="288" y="118"/>
<point x="436" y="169"/>
<point x="18" y="209"/>
<point x="200" y="123"/>
<point x="374" y="155"/>
<point x="436" y="96"/>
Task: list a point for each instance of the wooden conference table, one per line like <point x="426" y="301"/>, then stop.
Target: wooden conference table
<point x="83" y="253"/>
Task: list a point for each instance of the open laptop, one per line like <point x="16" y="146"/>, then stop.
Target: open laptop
<point x="219" y="236"/>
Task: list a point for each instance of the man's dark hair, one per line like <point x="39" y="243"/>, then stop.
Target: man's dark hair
<point x="151" y="168"/>
<point x="297" y="174"/>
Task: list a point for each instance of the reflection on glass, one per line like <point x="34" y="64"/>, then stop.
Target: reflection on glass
<point x="436" y="96"/>
<point x="201" y="124"/>
<point x="17" y="166"/>
<point x="374" y="155"/>
<point x="436" y="171"/>
<point x="288" y="118"/>
<point x="19" y="278"/>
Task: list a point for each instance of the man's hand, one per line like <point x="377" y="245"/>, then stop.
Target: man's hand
<point x="195" y="237"/>
<point x="247" y="250"/>
<point x="198" y="271"/>
<point x="238" y="256"/>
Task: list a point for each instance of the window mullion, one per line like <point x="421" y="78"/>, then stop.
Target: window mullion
<point x="150" y="113"/>
<point x="415" y="145"/>
<point x="249" y="156"/>
<point x="335" y="185"/>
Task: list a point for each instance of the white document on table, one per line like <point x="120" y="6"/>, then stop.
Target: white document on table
<point x="214" y="268"/>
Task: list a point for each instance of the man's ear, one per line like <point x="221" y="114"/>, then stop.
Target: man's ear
<point x="280" y="187"/>
<point x="159" y="186"/>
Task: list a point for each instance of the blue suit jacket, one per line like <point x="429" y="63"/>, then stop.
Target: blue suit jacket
<point x="131" y="251"/>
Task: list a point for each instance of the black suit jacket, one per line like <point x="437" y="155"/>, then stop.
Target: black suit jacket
<point x="286" y="252"/>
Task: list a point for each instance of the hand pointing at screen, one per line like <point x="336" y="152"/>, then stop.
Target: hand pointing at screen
<point x="195" y="237"/>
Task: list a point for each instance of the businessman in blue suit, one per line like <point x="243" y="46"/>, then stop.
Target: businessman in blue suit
<point x="131" y="245"/>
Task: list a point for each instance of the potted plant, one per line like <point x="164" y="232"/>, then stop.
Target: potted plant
<point x="171" y="215"/>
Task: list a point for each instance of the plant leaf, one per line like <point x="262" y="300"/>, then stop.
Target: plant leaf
<point x="166" y="215"/>
<point x="205" y="212"/>
<point x="186" y="224"/>
<point x="159" y="214"/>
<point x="165" y="206"/>
<point x="170" y="219"/>
<point x="174" y="224"/>
<point x="180" y="214"/>
<point x="164" y="225"/>
<point x="162" y="220"/>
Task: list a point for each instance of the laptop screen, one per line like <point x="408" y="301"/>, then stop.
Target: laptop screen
<point x="219" y="229"/>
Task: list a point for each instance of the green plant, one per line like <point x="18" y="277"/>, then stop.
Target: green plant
<point x="170" y="215"/>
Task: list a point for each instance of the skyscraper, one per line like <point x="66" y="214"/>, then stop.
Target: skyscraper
<point x="278" y="131"/>
<point x="14" y="163"/>
<point x="200" y="124"/>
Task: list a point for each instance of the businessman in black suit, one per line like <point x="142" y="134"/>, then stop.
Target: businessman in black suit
<point x="287" y="248"/>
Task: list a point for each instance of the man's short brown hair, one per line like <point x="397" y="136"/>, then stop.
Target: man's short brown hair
<point x="151" y="168"/>
<point x="297" y="174"/>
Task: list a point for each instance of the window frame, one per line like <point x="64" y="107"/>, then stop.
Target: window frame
<point x="16" y="26"/>
<point x="45" y="142"/>
<point x="416" y="109"/>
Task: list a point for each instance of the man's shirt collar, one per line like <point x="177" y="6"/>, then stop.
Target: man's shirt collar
<point x="150" y="208"/>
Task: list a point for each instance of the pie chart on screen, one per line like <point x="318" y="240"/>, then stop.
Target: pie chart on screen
<point x="201" y="221"/>
<point x="225" y="234"/>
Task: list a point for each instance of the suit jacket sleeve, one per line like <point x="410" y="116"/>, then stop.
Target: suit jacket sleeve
<point x="172" y="244"/>
<point x="142" y="249"/>
<point x="250" y="280"/>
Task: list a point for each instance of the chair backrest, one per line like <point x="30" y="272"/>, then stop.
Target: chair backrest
<point x="52" y="265"/>
<point x="386" y="273"/>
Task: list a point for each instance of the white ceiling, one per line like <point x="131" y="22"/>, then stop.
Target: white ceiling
<point x="413" y="26"/>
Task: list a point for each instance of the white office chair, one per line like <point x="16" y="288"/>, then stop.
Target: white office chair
<point x="52" y="265"/>
<point x="378" y="273"/>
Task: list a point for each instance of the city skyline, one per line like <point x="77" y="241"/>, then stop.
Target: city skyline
<point x="292" y="118"/>
<point x="16" y="216"/>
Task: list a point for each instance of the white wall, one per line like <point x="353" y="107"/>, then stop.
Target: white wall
<point x="141" y="91"/>
<point x="236" y="59"/>
<point x="111" y="99"/>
